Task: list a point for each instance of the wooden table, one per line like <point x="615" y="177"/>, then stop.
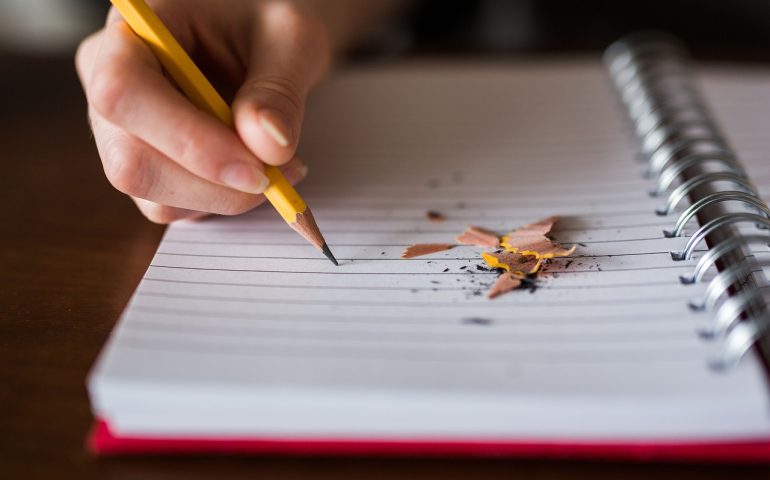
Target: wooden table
<point x="72" y="252"/>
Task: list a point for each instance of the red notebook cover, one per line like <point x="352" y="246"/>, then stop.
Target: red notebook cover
<point x="103" y="441"/>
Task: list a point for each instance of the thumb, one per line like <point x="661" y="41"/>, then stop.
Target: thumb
<point x="289" y="56"/>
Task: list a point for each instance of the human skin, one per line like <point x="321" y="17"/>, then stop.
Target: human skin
<point x="178" y="162"/>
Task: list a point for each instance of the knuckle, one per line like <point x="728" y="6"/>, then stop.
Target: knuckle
<point x="300" y="30"/>
<point x="127" y="171"/>
<point x="82" y="53"/>
<point x="107" y="86"/>
<point x="237" y="203"/>
<point x="287" y="15"/>
<point x="160" y="214"/>
<point x="284" y="88"/>
<point x="238" y="207"/>
<point x="193" y="145"/>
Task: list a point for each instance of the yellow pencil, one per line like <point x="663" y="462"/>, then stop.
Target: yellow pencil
<point x="149" y="27"/>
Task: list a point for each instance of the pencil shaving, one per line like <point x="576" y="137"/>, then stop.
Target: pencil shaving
<point x="505" y="283"/>
<point x="532" y="239"/>
<point x="479" y="237"/>
<point x="553" y="251"/>
<point x="541" y="227"/>
<point x="519" y="260"/>
<point x="516" y="263"/>
<point x="420" y="249"/>
<point x="435" y="217"/>
<point x="525" y="249"/>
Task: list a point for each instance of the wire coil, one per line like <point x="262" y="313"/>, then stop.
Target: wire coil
<point x="686" y="151"/>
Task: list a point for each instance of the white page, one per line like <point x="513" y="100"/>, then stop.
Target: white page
<point x="241" y="329"/>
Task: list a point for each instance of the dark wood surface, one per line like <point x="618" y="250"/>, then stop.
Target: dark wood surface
<point x="71" y="252"/>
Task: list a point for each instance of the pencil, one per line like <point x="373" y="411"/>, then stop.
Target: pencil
<point x="281" y="194"/>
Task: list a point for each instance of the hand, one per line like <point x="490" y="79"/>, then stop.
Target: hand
<point x="178" y="162"/>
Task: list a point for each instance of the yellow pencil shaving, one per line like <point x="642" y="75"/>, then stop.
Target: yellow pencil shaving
<point x="557" y="251"/>
<point x="515" y="263"/>
<point x="550" y="251"/>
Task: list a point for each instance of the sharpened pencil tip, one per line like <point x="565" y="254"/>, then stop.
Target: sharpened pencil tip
<point x="329" y="255"/>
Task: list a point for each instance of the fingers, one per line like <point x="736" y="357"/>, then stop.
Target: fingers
<point x="164" y="214"/>
<point x="290" y="55"/>
<point x="138" y="170"/>
<point x="170" y="192"/>
<point x="127" y="87"/>
<point x="85" y="55"/>
<point x="294" y="171"/>
<point x="178" y="162"/>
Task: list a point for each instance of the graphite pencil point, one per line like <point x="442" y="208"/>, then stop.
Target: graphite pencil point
<point x="329" y="255"/>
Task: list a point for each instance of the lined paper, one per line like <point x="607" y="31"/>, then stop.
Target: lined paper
<point x="240" y="328"/>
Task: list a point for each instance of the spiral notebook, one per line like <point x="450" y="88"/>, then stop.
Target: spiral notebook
<point x="241" y="338"/>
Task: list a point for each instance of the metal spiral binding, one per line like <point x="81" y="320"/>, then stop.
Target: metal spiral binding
<point x="685" y="188"/>
<point x="674" y="171"/>
<point x="749" y="199"/>
<point x="723" y="281"/>
<point x="678" y="136"/>
<point x="719" y="252"/>
<point x="714" y="225"/>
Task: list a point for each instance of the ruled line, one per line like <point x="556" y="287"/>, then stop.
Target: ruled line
<point x="476" y="338"/>
<point x="321" y="189"/>
<point x="589" y="214"/>
<point x="309" y="317"/>
<point x="348" y="303"/>
<point x="223" y="227"/>
<point x="399" y="259"/>
<point x="650" y="354"/>
<point x="388" y="288"/>
<point x="490" y="204"/>
<point x="281" y="244"/>
<point x="305" y="272"/>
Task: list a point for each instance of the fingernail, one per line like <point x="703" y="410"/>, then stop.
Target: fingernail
<point x="274" y="127"/>
<point x="245" y="178"/>
<point x="295" y="173"/>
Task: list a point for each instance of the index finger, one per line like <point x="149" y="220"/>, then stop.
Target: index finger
<point x="128" y="88"/>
